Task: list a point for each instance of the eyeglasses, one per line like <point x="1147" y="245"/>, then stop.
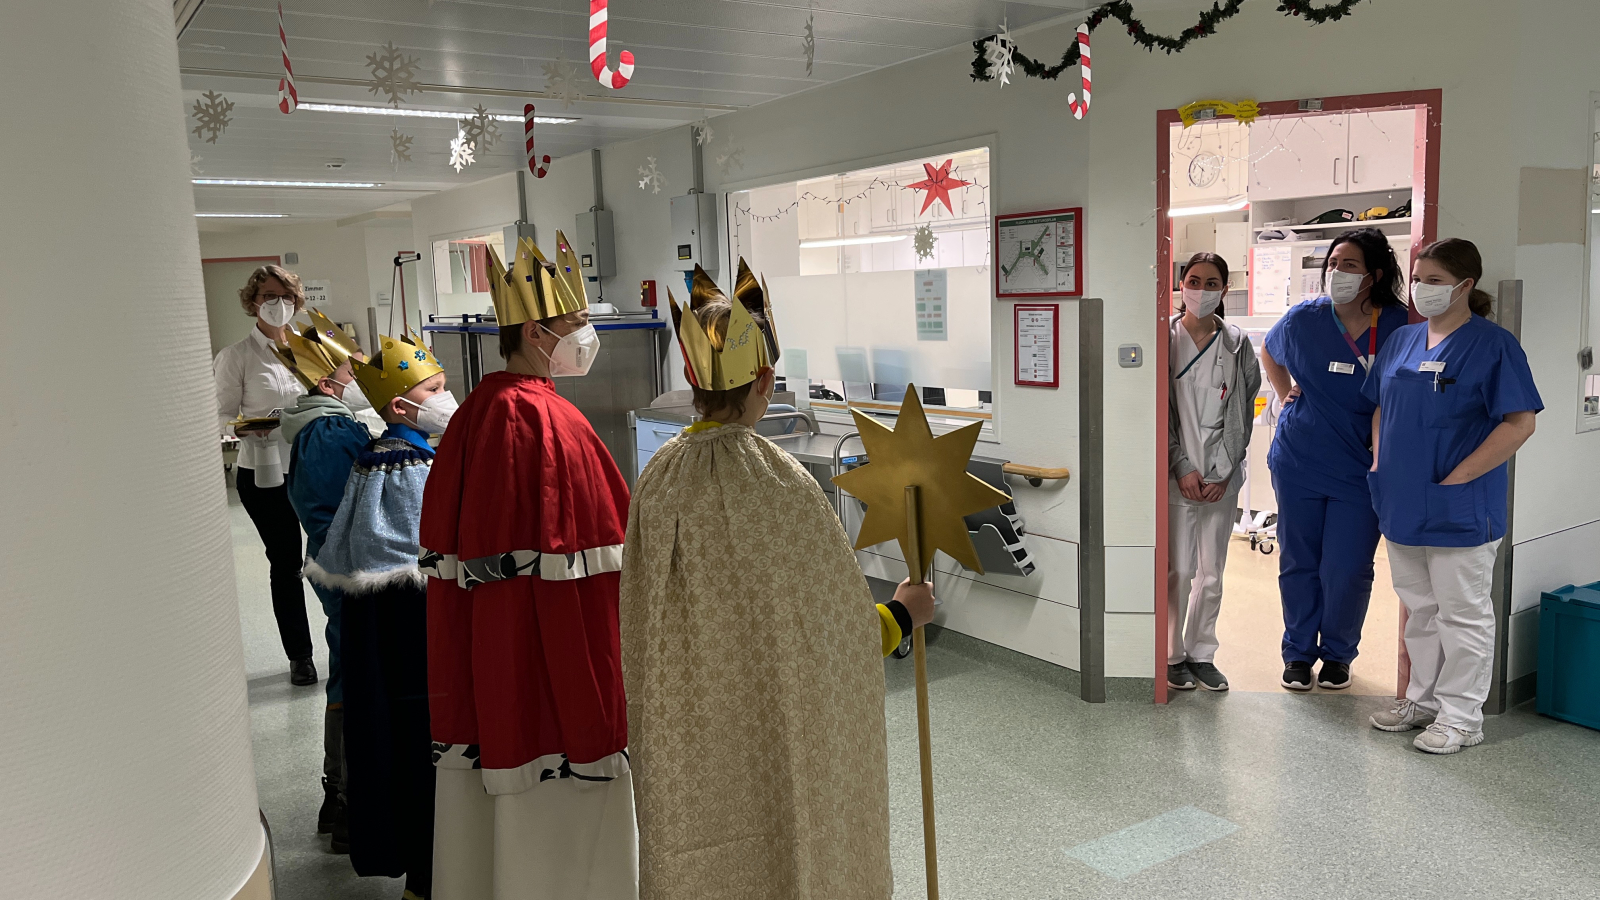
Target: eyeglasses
<point x="276" y="298"/>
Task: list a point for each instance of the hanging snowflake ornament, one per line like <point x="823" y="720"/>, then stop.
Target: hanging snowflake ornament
<point x="731" y="157"/>
<point x="194" y="163"/>
<point x="702" y="132"/>
<point x="212" y="116"/>
<point x="481" y="130"/>
<point x="924" y="240"/>
<point x="400" y="147"/>
<point x="650" y="177"/>
<point x="393" y="74"/>
<point x="460" y="152"/>
<point x="808" y="44"/>
<point x="562" y="81"/>
<point x="998" y="52"/>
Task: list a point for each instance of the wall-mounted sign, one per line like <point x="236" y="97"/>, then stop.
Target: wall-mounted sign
<point x="1038" y="254"/>
<point x="1038" y="345"/>
<point x="317" y="293"/>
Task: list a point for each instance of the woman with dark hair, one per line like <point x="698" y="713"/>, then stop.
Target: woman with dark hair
<point x="1455" y="400"/>
<point x="1316" y="358"/>
<point x="1211" y="395"/>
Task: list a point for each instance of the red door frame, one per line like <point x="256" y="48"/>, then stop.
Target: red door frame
<point x="1429" y="106"/>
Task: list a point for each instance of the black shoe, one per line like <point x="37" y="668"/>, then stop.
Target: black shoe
<point x="341" y="832"/>
<point x="1179" y="677"/>
<point x="1297" y="676"/>
<point x="302" y="672"/>
<point x="1334" y="676"/>
<point x="330" y="807"/>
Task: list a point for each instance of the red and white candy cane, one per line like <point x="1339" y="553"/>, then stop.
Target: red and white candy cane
<point x="1078" y="109"/>
<point x="534" y="166"/>
<point x="597" y="50"/>
<point x="288" y="99"/>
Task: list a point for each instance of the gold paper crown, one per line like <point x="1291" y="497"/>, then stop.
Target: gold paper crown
<point x="401" y="364"/>
<point x="736" y="359"/>
<point x="339" y="345"/>
<point x="535" y="288"/>
<point x="309" y="361"/>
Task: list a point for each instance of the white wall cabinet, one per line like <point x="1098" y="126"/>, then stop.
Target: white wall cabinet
<point x="1208" y="162"/>
<point x="1382" y="149"/>
<point x="1342" y="153"/>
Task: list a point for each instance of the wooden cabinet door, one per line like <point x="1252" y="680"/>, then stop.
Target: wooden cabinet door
<point x="1382" y="149"/>
<point x="1298" y="156"/>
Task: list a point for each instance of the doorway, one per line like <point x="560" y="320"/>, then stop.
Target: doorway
<point x="223" y="277"/>
<point x="1269" y="195"/>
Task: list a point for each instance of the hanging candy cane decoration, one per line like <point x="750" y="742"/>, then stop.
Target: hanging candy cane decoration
<point x="1078" y="109"/>
<point x="597" y="50"/>
<point x="538" y="170"/>
<point x="288" y="99"/>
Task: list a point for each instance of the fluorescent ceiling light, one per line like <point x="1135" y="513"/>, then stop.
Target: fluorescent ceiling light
<point x="851" y="241"/>
<point x="250" y="182"/>
<point x="1233" y="205"/>
<point x="424" y="113"/>
<point x="241" y="215"/>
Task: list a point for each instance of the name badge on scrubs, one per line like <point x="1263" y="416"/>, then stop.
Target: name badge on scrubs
<point x="1431" y="365"/>
<point x="1342" y="368"/>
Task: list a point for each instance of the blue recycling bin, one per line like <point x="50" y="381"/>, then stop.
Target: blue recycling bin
<point x="1569" y="654"/>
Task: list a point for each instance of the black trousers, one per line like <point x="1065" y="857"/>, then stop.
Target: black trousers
<point x="388" y="747"/>
<point x="275" y="521"/>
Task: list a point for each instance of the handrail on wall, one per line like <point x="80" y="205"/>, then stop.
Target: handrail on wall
<point x="1036" y="475"/>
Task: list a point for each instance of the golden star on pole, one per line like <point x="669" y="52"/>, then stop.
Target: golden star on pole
<point x="910" y="455"/>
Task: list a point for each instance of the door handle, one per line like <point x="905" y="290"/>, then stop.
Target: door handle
<point x="1353" y="178"/>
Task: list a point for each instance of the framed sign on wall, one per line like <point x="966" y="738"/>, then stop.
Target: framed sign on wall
<point x="1038" y="254"/>
<point x="1038" y="344"/>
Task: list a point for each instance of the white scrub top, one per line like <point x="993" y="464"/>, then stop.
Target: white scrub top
<point x="1199" y="395"/>
<point x="251" y="382"/>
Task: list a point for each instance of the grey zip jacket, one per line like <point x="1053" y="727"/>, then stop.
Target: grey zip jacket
<point x="1239" y="410"/>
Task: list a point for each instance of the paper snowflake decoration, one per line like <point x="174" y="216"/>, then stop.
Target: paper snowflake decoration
<point x="194" y="163"/>
<point x="731" y="157"/>
<point x="808" y="44"/>
<point x="650" y="177"/>
<point x="400" y="147"/>
<point x="460" y="152"/>
<point x="924" y="241"/>
<point x="481" y="130"/>
<point x="212" y="114"/>
<point x="702" y="132"/>
<point x="393" y="74"/>
<point x="562" y="81"/>
<point x="998" y="53"/>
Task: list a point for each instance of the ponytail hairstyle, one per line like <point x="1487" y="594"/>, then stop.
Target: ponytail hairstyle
<point x="1222" y="269"/>
<point x="1377" y="255"/>
<point x="1460" y="258"/>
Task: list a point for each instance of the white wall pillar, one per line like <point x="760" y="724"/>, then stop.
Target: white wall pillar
<point x="127" y="770"/>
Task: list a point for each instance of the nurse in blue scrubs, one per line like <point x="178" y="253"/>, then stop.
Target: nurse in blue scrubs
<point x="1455" y="400"/>
<point x="1320" y="457"/>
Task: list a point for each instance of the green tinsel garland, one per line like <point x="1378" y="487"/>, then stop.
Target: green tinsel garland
<point x="1122" y="11"/>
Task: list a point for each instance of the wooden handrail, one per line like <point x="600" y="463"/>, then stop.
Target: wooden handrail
<point x="1036" y="475"/>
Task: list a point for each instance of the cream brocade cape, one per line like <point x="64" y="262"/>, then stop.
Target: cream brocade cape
<point x="752" y="656"/>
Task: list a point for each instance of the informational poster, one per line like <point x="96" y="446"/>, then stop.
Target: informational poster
<point x="1037" y="254"/>
<point x="931" y="300"/>
<point x="1272" y="281"/>
<point x="317" y="293"/>
<point x="1038" y="346"/>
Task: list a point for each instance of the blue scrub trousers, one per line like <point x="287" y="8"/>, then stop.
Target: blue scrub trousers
<point x="1325" y="573"/>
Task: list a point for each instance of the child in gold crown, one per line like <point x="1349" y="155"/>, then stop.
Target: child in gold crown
<point x="370" y="557"/>
<point x="750" y="650"/>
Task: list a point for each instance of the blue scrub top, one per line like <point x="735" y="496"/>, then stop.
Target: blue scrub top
<point x="1324" y="437"/>
<point x="1429" y="426"/>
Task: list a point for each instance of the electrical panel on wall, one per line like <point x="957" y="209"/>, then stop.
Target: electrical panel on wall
<point x="694" y="231"/>
<point x="595" y="244"/>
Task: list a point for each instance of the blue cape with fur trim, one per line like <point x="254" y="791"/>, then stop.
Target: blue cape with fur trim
<point x="372" y="542"/>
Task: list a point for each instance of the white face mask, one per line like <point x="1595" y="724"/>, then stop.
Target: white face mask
<point x="1344" y="286"/>
<point x="433" y="414"/>
<point x="277" y="313"/>
<point x="1201" y="303"/>
<point x="1433" y="299"/>
<point x="574" y="353"/>
<point x="351" y="395"/>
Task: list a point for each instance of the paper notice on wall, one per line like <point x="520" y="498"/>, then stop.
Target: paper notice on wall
<point x="1037" y="350"/>
<point x="1271" y="280"/>
<point x="317" y="293"/>
<point x="931" y="301"/>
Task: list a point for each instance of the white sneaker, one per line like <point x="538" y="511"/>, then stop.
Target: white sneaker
<point x="1441" y="738"/>
<point x="1403" y="716"/>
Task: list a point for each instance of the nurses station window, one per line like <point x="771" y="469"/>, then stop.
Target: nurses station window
<point x="874" y="287"/>
<point x="461" y="272"/>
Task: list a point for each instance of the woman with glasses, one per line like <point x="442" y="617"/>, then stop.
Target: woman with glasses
<point x="252" y="383"/>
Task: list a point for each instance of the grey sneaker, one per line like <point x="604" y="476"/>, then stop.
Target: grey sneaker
<point x="1403" y="716"/>
<point x="1209" y="677"/>
<point x="1443" y="739"/>
<point x="1178" y="677"/>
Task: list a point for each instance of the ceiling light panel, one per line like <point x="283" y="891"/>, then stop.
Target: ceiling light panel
<point x="246" y="182"/>
<point x="241" y="215"/>
<point x="425" y="113"/>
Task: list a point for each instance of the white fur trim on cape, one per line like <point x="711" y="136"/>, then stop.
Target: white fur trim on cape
<point x="365" y="582"/>
<point x="551" y="767"/>
<point x="550" y="566"/>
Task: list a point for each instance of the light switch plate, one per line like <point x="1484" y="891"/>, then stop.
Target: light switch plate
<point x="1130" y="356"/>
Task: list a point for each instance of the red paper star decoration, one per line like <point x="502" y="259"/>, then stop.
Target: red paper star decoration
<point x="939" y="184"/>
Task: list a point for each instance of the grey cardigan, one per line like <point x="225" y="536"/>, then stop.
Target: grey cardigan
<point x="1238" y="416"/>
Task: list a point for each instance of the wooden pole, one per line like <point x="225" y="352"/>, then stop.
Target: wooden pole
<point x="919" y="648"/>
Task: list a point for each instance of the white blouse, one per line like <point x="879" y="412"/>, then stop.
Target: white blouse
<point x="251" y="382"/>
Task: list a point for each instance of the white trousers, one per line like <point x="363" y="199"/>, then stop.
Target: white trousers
<point x="563" y="839"/>
<point x="1449" y="629"/>
<point x="1197" y="547"/>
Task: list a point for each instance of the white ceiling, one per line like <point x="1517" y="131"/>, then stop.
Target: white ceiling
<point x="694" y="58"/>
